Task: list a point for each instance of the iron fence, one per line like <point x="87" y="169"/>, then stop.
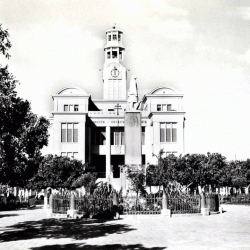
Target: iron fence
<point x="184" y="205"/>
<point x="93" y="205"/>
<point x="240" y="199"/>
<point x="61" y="205"/>
<point x="150" y="204"/>
<point x="140" y="205"/>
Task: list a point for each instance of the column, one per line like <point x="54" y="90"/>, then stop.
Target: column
<point x="148" y="144"/>
<point x="108" y="151"/>
<point x="82" y="140"/>
<point x="89" y="144"/>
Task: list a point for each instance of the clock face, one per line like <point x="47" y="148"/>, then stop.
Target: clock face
<point x="114" y="72"/>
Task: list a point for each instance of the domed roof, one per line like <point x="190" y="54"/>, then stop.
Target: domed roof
<point x="71" y="91"/>
<point x="163" y="91"/>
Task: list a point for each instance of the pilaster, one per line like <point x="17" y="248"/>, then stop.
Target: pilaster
<point x="108" y="152"/>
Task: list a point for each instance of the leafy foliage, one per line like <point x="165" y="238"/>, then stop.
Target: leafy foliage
<point x="62" y="172"/>
<point x="193" y="170"/>
<point x="5" y="43"/>
<point x="22" y="133"/>
<point x="138" y="181"/>
<point x="87" y="180"/>
<point x="239" y="173"/>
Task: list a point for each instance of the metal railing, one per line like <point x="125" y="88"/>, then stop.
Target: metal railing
<point x="150" y="204"/>
<point x="184" y="205"/>
<point x="92" y="205"/>
<point x="61" y="205"/>
<point x="141" y="205"/>
<point x="239" y="199"/>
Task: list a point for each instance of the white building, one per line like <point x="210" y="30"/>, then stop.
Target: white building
<point x="94" y="130"/>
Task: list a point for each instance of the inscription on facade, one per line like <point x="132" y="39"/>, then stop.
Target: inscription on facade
<point x="108" y="122"/>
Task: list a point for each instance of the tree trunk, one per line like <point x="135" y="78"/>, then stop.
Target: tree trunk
<point x="136" y="202"/>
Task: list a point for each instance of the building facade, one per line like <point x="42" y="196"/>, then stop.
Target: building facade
<point x="99" y="131"/>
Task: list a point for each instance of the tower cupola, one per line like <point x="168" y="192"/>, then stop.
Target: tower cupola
<point x="114" y="72"/>
<point x="114" y="49"/>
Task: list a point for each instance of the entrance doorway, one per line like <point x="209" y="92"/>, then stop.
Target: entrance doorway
<point x="117" y="160"/>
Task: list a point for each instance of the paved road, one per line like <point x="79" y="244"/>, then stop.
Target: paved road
<point x="32" y="229"/>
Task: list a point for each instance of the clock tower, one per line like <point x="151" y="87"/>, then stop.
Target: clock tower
<point x="114" y="72"/>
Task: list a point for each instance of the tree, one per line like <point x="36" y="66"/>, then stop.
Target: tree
<point x="191" y="173"/>
<point x="137" y="180"/>
<point x="5" y="43"/>
<point x="190" y="170"/>
<point x="239" y="172"/>
<point x="203" y="170"/>
<point x="22" y="133"/>
<point x="59" y="172"/>
<point x="164" y="172"/>
<point x="88" y="181"/>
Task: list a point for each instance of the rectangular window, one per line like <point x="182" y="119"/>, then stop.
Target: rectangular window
<point x="71" y="108"/>
<point x="174" y="132"/>
<point x="108" y="54"/>
<point x="117" y="136"/>
<point x="66" y="107"/>
<point x="76" y="108"/>
<point x="75" y="155"/>
<point x="119" y="37"/>
<point x="122" y="138"/>
<point x="69" y="154"/>
<point x="114" y="54"/>
<point x="75" y="133"/>
<point x="168" y="132"/>
<point x="164" y="107"/>
<point x="109" y="37"/>
<point x="114" y="37"/>
<point x="162" y="132"/>
<point x="69" y="132"/>
<point x="64" y="132"/>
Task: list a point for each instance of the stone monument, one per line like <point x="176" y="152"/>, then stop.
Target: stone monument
<point x="132" y="124"/>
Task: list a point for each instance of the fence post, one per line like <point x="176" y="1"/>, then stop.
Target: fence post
<point x="50" y="210"/>
<point x="115" y="206"/>
<point x="72" y="202"/>
<point x="204" y="209"/>
<point x="220" y="207"/>
<point x="72" y="213"/>
<point x="165" y="211"/>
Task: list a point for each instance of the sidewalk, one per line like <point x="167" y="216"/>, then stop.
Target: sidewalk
<point x="32" y="229"/>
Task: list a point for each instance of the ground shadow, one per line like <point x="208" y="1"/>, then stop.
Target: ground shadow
<point x="96" y="247"/>
<point x="8" y="215"/>
<point x="62" y="228"/>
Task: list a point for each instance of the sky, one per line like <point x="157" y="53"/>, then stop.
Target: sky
<point x="201" y="48"/>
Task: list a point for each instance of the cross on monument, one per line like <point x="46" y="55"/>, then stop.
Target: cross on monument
<point x="117" y="107"/>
